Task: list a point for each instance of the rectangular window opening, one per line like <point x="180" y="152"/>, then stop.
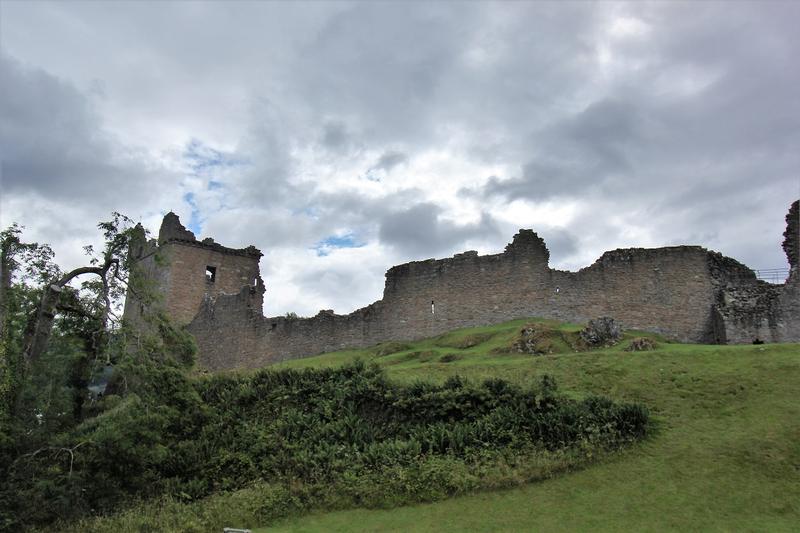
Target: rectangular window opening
<point x="211" y="274"/>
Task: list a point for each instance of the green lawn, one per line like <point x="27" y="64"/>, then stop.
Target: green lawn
<point x="725" y="455"/>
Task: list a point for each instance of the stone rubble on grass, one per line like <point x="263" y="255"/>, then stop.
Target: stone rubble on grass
<point x="602" y="331"/>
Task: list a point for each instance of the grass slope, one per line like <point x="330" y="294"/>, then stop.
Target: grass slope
<point x="725" y="457"/>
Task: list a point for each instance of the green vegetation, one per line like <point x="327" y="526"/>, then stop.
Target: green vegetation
<point x="488" y="345"/>
<point x="724" y="455"/>
<point x="63" y="451"/>
<point x="456" y="420"/>
<point x="388" y="348"/>
<point x="333" y="438"/>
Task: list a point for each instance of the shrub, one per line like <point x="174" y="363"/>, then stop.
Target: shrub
<point x="312" y="435"/>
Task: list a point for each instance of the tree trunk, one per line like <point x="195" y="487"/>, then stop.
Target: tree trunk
<point x="5" y="285"/>
<point x="8" y="377"/>
<point x="37" y="334"/>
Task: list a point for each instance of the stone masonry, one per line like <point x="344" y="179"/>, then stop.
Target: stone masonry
<point x="186" y="271"/>
<point x="686" y="293"/>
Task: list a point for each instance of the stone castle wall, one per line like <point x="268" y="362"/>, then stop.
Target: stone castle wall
<point x="686" y="293"/>
<point x="188" y="261"/>
<point x="177" y="267"/>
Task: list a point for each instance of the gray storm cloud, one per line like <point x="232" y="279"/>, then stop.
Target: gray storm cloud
<point x="419" y="230"/>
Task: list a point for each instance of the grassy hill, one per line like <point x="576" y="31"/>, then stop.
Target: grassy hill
<point x="725" y="456"/>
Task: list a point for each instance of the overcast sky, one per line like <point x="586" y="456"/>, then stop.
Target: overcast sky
<point x="344" y="138"/>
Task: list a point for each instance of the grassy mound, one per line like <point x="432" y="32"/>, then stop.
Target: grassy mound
<point x="420" y="356"/>
<point x="725" y="456"/>
<point x="389" y="348"/>
<point x="461" y="341"/>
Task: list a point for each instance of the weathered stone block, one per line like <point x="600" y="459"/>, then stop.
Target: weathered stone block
<point x="602" y="331"/>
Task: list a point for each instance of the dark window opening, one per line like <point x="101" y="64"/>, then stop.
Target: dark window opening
<point x="211" y="274"/>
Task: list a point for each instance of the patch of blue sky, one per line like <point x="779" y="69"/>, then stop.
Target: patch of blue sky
<point x="309" y="211"/>
<point x="372" y="175"/>
<point x="329" y="244"/>
<point x="208" y="164"/>
<point x="202" y="158"/>
<point x="194" y="224"/>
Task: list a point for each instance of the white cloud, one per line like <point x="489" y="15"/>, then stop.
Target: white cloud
<point x="627" y="26"/>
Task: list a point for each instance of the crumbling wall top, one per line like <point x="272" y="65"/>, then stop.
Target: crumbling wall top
<point x="622" y="255"/>
<point x="727" y="269"/>
<point x="173" y="231"/>
<point x="138" y="241"/>
<point x="525" y="245"/>
<point x="791" y="240"/>
<point x="528" y="242"/>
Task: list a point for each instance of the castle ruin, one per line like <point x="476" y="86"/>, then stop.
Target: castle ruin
<point x="686" y="293"/>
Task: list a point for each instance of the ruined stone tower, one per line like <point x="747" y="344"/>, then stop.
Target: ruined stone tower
<point x="183" y="272"/>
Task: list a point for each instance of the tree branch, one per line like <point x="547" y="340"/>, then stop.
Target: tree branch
<point x="66" y="278"/>
<point x="100" y="271"/>
<point x="58" y="450"/>
<point x="73" y="309"/>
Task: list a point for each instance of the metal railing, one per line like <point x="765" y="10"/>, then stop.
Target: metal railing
<point x="775" y="276"/>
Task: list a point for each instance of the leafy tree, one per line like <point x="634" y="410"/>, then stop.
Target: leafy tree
<point x="57" y="327"/>
<point x="55" y="331"/>
<point x="110" y="268"/>
<point x="22" y="267"/>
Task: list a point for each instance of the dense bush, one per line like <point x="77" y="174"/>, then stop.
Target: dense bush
<point x="348" y="428"/>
